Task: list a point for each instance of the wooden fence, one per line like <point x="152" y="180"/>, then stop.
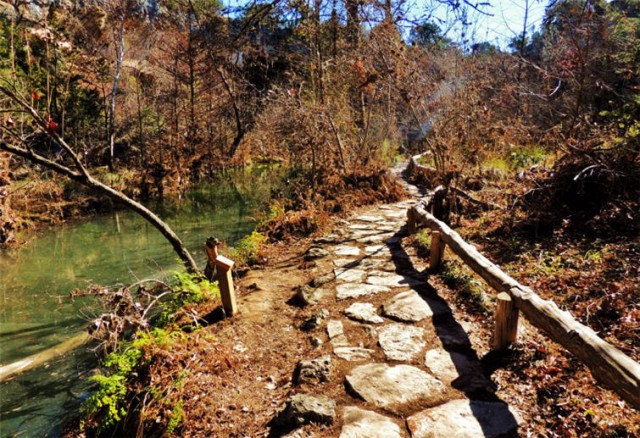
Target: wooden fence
<point x="608" y="364"/>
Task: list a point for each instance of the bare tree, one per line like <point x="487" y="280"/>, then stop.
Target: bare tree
<point x="78" y="172"/>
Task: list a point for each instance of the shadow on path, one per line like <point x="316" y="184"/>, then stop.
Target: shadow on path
<point x="454" y="339"/>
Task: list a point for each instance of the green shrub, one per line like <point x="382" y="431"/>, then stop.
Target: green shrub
<point x="247" y="251"/>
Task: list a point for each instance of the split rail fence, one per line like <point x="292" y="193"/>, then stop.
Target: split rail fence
<point x="608" y="364"/>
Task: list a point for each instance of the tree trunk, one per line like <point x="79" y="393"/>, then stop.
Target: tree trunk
<point x="114" y="92"/>
<point x="81" y="175"/>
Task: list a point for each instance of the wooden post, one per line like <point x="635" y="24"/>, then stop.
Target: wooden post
<point x="211" y="249"/>
<point x="412" y="227"/>
<point x="437" y="251"/>
<point x="225" y="281"/>
<point x="506" y="316"/>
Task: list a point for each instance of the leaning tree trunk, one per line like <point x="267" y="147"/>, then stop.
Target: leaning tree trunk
<point x="80" y="174"/>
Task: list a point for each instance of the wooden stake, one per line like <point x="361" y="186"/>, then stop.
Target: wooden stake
<point x="411" y="222"/>
<point x="506" y="329"/>
<point x="225" y="281"/>
<point x="437" y="251"/>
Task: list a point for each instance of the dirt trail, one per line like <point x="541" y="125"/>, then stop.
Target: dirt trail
<point x="346" y="338"/>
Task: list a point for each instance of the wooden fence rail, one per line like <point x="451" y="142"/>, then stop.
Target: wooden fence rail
<point x="608" y="364"/>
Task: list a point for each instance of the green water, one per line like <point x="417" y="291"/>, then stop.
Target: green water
<point x="119" y="248"/>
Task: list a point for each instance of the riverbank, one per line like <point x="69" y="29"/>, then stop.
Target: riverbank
<point x="32" y="203"/>
<point x="36" y="280"/>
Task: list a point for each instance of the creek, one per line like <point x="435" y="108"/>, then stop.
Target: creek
<point x="36" y="311"/>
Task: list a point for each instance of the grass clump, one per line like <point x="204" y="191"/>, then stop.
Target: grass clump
<point x="249" y="250"/>
<point x="470" y="290"/>
<point x="422" y="242"/>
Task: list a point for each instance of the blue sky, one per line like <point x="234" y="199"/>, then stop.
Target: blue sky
<point x="504" y="22"/>
<point x="508" y="19"/>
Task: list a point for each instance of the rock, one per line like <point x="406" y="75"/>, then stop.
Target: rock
<point x="388" y="227"/>
<point x="375" y="249"/>
<point x="368" y="218"/>
<point x="298" y="433"/>
<point x="349" y="275"/>
<point x="465" y="419"/>
<point x="354" y="290"/>
<point x="454" y="337"/>
<point x="315" y="341"/>
<point x="388" y="279"/>
<point x="457" y="370"/>
<point x="315" y="252"/>
<point x="401" y="342"/>
<point x="347" y="250"/>
<point x="358" y="423"/>
<point x="315" y="320"/>
<point x="309" y="295"/>
<point x="371" y="239"/>
<point x="408" y="307"/>
<point x="361" y="234"/>
<point x="345" y="263"/>
<point x="335" y="328"/>
<point x="399" y="389"/>
<point x="322" y="280"/>
<point x="303" y="409"/>
<point x="353" y="354"/>
<point x="313" y="371"/>
<point x="360" y="226"/>
<point x="398" y="214"/>
<point x="331" y="238"/>
<point x="364" y="312"/>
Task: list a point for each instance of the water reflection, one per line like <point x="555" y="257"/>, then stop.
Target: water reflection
<point x="35" y="281"/>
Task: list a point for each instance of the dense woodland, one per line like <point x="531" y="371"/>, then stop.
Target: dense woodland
<point x="155" y="97"/>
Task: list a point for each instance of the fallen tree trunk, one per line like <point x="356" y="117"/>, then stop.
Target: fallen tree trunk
<point x="38" y="359"/>
<point x="608" y="364"/>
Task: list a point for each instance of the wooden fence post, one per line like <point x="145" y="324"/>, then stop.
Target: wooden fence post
<point x="412" y="227"/>
<point x="436" y="251"/>
<point x="506" y="320"/>
<point x="225" y="281"/>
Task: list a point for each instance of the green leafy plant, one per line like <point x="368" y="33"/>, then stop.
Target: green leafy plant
<point x="247" y="251"/>
<point x="455" y="276"/>
<point x="177" y="415"/>
<point x="422" y="242"/>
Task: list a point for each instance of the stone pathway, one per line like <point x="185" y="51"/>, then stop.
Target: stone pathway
<point x="418" y="375"/>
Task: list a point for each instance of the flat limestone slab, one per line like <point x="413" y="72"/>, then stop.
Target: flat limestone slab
<point x="335" y="330"/>
<point x="355" y="290"/>
<point x="340" y="263"/>
<point x="353" y="354"/>
<point x="369" y="218"/>
<point x="363" y="312"/>
<point x="465" y="419"/>
<point x="346" y="250"/>
<point x="373" y="249"/>
<point x="388" y="279"/>
<point x="349" y="275"/>
<point x="401" y="342"/>
<point x="359" y="423"/>
<point x="457" y="370"/>
<point x="399" y="389"/>
<point x="408" y="307"/>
